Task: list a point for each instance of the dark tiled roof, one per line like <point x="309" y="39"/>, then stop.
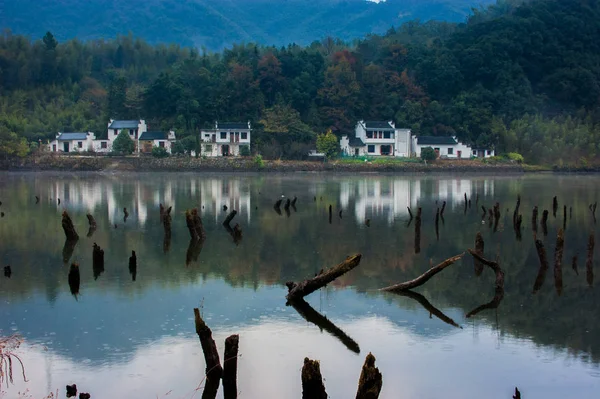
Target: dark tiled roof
<point x="72" y="136"/>
<point x="356" y="142"/>
<point x="435" y="140"/>
<point x="232" y="125"/>
<point x="147" y="136"/>
<point x="124" y="125"/>
<point x="378" y="125"/>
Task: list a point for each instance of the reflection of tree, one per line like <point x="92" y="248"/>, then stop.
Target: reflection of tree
<point x="7" y="346"/>
<point x="428" y="306"/>
<point x="312" y="316"/>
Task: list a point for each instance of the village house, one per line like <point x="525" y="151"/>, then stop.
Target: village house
<point x="444" y="146"/>
<point x="483" y="152"/>
<point x="72" y="142"/>
<point x="226" y="139"/>
<point x="377" y="138"/>
<point x="148" y="140"/>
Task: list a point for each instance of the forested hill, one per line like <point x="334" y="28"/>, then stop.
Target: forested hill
<point x="218" y="24"/>
<point x="522" y="78"/>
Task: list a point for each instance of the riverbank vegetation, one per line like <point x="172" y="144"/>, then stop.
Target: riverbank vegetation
<point x="520" y="76"/>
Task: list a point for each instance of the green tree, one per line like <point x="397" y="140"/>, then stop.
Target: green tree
<point x="11" y="144"/>
<point x="189" y="144"/>
<point x="159" y="152"/>
<point x="245" y="150"/>
<point x="428" y="154"/>
<point x="123" y="144"/>
<point x="328" y="144"/>
<point x="49" y="41"/>
<point x="177" y="148"/>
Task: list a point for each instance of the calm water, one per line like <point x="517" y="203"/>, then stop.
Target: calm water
<point x="124" y="338"/>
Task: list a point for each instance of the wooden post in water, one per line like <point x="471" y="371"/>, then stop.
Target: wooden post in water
<point x="564" y="217"/>
<point x="443" y="208"/>
<point x="518" y="227"/>
<point x="554" y="206"/>
<point x="534" y="217"/>
<point x="74" y="279"/>
<point x="194" y="224"/>
<point x="92" y="223"/>
<point x="68" y="227"/>
<point x="479" y="246"/>
<point x="437" y="221"/>
<point x="516" y="212"/>
<point x="330" y="215"/>
<point x="558" y="254"/>
<point x="418" y="231"/>
<point x="465" y="212"/>
<point x="589" y="263"/>
<point x="125" y="215"/>
<point x="539" y="280"/>
<point x="133" y="265"/>
<point x="544" y="222"/>
<point x="409" y="212"/>
<point x="574" y="265"/>
<point x="214" y="371"/>
<point x="370" y="381"/>
<point x="230" y="367"/>
<point x="484" y="212"/>
<point x="97" y="261"/>
<point x="312" y="381"/>
<point x="231" y="215"/>
<point x="165" y="218"/>
<point x="496" y="215"/>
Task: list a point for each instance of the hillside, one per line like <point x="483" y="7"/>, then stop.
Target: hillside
<point x="218" y="24"/>
<point x="519" y="77"/>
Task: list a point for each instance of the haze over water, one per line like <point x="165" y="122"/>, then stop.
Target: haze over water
<point x="124" y="338"/>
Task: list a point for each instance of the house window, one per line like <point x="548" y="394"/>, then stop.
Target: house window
<point x="79" y="144"/>
<point x="103" y="144"/>
<point x="54" y="147"/>
<point x="386" y="135"/>
<point x="369" y="135"/>
<point x="223" y="135"/>
<point x="207" y="135"/>
<point x="380" y="135"/>
<point x="161" y="144"/>
<point x="475" y="152"/>
<point x="208" y="148"/>
<point x="244" y="136"/>
<point x="450" y="151"/>
<point x="371" y="148"/>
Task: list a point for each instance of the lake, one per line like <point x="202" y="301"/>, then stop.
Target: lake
<point x="125" y="338"/>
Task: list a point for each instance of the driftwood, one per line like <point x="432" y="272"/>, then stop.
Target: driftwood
<point x="418" y="231"/>
<point x="74" y="279"/>
<point x="229" y="217"/>
<point x="230" y="367"/>
<point x="498" y="285"/>
<point x="133" y="265"/>
<point x="370" y="382"/>
<point x="194" y="225"/>
<point x="589" y="263"/>
<point x="479" y="247"/>
<point x="558" y="254"/>
<point x="306" y="287"/>
<point x="541" y="276"/>
<point x="214" y="371"/>
<point x="97" y="261"/>
<point x="312" y="316"/>
<point x="312" y="381"/>
<point x="68" y="227"/>
<point x="422" y="279"/>
<point x="428" y="306"/>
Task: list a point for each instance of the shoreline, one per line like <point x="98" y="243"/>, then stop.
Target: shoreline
<point x="247" y="164"/>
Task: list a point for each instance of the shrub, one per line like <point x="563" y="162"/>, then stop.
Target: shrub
<point x="177" y="148"/>
<point x="516" y="157"/>
<point x="123" y="144"/>
<point x="258" y="161"/>
<point x="428" y="154"/>
<point x="328" y="144"/>
<point x="245" y="150"/>
<point x="189" y="144"/>
<point x="159" y="152"/>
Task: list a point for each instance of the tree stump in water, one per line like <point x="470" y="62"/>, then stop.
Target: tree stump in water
<point x="229" y="217"/>
<point x="534" y="217"/>
<point x="589" y="263"/>
<point x="479" y="247"/>
<point x="194" y="225"/>
<point x="165" y="217"/>
<point x="418" y="231"/>
<point x="544" y="222"/>
<point x="370" y="382"/>
<point x="97" y="261"/>
<point x="214" y="371"/>
<point x="554" y="206"/>
<point x="312" y="381"/>
<point x="558" y="254"/>
<point x="74" y="279"/>
<point x="539" y="280"/>
<point x="133" y="265"/>
<point x="68" y="227"/>
<point x="230" y="367"/>
<point x="306" y="287"/>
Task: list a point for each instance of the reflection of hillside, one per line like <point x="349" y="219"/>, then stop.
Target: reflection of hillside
<point x="277" y="248"/>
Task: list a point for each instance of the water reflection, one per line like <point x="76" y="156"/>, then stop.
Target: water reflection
<point x="137" y="319"/>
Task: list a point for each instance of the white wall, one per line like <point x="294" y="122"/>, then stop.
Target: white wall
<point x="402" y="147"/>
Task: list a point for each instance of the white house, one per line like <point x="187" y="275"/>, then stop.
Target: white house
<point x="148" y="140"/>
<point x="377" y="138"/>
<point x="483" y="152"/>
<point x="225" y="139"/>
<point x="444" y="146"/>
<point x="72" y="142"/>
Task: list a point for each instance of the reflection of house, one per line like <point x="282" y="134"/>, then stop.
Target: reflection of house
<point x="72" y="142"/>
<point x="225" y="139"/>
<point x="377" y="138"/>
<point x="148" y="140"/>
<point x="444" y="146"/>
<point x="230" y="192"/>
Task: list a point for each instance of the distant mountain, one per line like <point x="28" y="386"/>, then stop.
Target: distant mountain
<point x="218" y="24"/>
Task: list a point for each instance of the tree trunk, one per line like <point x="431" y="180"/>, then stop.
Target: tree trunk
<point x="312" y="381"/>
<point x="558" y="254"/>
<point x="194" y="224"/>
<point x="541" y="276"/>
<point x="68" y="227"/>
<point x="230" y="367"/>
<point x="214" y="371"/>
<point x="370" y="382"/>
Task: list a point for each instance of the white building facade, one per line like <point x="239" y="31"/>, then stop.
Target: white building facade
<point x="226" y="139"/>
<point x="377" y="138"/>
<point x="72" y="142"/>
<point x="444" y="146"/>
<point x="149" y="140"/>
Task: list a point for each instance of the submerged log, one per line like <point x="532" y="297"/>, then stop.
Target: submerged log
<point x="479" y="247"/>
<point x="544" y="222"/>
<point x="312" y="316"/>
<point x="230" y="367"/>
<point x="422" y="279"/>
<point x="68" y="227"/>
<point x="306" y="287"/>
<point x="214" y="371"/>
<point x="229" y="217"/>
<point x="370" y="381"/>
<point x="541" y="276"/>
<point x="133" y="265"/>
<point x="74" y="279"/>
<point x="97" y="261"/>
<point x="418" y="231"/>
<point x="498" y="285"/>
<point x="589" y="263"/>
<point x="312" y="381"/>
<point x="194" y="225"/>
<point x="558" y="254"/>
<point x="428" y="306"/>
